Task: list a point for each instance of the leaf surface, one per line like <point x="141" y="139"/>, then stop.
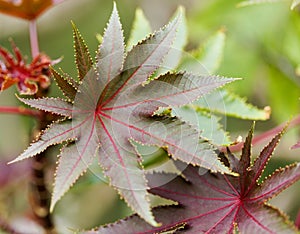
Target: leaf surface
<point x="115" y="104"/>
<point x="83" y="59"/>
<point x="218" y="203"/>
<point x="223" y="102"/>
<point x="140" y="29"/>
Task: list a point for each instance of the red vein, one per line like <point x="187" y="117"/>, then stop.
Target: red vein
<point x="272" y="190"/>
<point x="196" y="197"/>
<point x="81" y="154"/>
<point x="256" y="221"/>
<point x="231" y="186"/>
<point x="119" y="156"/>
<point x="136" y="70"/>
<point x="213" y="187"/>
<point x="189" y="219"/>
<point x="146" y="133"/>
<point x="224" y="217"/>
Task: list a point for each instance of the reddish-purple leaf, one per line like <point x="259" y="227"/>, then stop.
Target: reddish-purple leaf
<point x="114" y="105"/>
<point x="218" y="203"/>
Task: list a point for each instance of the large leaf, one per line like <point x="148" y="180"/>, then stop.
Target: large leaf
<point x="218" y="203"/>
<point x="116" y="103"/>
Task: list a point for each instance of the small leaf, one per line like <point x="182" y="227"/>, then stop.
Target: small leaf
<point x="140" y="29"/>
<point x="216" y="203"/>
<point x="68" y="89"/>
<point x="83" y="59"/>
<point x="223" y="102"/>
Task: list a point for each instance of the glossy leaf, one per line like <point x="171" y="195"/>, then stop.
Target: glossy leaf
<point x="216" y="203"/>
<point x="26" y="9"/>
<point x="116" y="103"/>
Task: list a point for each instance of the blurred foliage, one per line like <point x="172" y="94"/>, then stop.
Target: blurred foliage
<point x="262" y="47"/>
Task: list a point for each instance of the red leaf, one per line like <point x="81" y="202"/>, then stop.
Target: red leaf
<point x="216" y="203"/>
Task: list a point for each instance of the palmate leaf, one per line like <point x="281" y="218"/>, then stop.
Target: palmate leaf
<point x="218" y="203"/>
<point x="114" y="103"/>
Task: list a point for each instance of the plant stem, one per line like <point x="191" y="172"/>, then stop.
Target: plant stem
<point x="34" y="42"/>
<point x="19" y="110"/>
<point x="264" y="136"/>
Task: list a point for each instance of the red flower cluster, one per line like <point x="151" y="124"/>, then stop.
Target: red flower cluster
<point x="28" y="77"/>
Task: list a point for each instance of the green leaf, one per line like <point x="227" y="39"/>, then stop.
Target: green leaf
<point x="172" y="59"/>
<point x="83" y="59"/>
<point x="207" y="58"/>
<point x="223" y="102"/>
<point x="140" y="29"/>
<point x="207" y="124"/>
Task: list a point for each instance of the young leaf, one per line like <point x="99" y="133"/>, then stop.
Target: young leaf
<point x="216" y="203"/>
<point x="114" y="105"/>
<point x="83" y="59"/>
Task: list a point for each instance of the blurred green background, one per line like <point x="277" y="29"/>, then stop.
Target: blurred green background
<point x="262" y="47"/>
